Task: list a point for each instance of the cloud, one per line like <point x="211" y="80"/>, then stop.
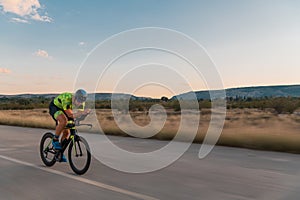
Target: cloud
<point x="4" y="71"/>
<point x="81" y="44"/>
<point x="42" y="53"/>
<point x="26" y="9"/>
<point x="19" y="20"/>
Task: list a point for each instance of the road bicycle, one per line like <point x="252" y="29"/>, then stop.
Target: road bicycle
<point x="79" y="154"/>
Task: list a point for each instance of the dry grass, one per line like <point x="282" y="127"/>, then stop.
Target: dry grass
<point x="37" y="118"/>
<point x="248" y="128"/>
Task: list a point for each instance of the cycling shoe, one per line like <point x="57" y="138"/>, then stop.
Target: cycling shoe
<point x="56" y="145"/>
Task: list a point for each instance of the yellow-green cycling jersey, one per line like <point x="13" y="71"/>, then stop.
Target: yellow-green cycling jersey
<point x="63" y="101"/>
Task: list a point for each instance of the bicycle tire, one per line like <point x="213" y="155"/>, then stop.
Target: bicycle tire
<point x="85" y="150"/>
<point x="48" y="149"/>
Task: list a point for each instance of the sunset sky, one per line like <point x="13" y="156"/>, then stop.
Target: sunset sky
<point x="43" y="43"/>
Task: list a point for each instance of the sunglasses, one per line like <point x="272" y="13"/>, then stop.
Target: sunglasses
<point x="81" y="99"/>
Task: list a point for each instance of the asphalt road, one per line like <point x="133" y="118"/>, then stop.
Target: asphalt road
<point x="227" y="173"/>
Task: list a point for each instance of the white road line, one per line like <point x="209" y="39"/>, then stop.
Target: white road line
<point x="83" y="180"/>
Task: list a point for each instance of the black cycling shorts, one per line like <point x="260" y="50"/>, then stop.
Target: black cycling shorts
<point x="53" y="109"/>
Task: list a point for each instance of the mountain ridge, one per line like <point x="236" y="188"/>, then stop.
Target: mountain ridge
<point x="244" y="92"/>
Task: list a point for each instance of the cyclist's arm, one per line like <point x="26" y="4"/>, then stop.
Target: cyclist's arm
<point x="70" y="113"/>
<point x="85" y="112"/>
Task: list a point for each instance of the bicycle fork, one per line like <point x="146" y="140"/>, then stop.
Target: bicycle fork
<point x="74" y="141"/>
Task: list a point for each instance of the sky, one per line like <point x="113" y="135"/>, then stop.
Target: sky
<point x="43" y="43"/>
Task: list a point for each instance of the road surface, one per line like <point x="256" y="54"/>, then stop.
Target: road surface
<point x="227" y="173"/>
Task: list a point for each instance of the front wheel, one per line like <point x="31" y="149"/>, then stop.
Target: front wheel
<point x="79" y="155"/>
<point x="47" y="151"/>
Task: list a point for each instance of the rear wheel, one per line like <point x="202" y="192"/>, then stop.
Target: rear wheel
<point x="79" y="155"/>
<point x="47" y="151"/>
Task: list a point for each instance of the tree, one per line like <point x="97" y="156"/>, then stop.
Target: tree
<point x="164" y="99"/>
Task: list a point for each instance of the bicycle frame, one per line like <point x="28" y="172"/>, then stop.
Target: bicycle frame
<point x="72" y="138"/>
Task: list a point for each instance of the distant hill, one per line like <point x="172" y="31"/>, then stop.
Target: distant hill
<point x="107" y="96"/>
<point x="268" y="91"/>
<point x="253" y="92"/>
<point x="98" y="96"/>
<point x="28" y="96"/>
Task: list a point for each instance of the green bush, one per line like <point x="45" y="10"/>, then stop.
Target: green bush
<point x="278" y="104"/>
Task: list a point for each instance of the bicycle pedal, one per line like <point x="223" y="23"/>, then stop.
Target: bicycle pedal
<point x="58" y="158"/>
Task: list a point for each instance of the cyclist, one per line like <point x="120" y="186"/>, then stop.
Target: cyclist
<point x="61" y="110"/>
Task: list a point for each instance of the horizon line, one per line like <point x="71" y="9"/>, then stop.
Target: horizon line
<point x="147" y="96"/>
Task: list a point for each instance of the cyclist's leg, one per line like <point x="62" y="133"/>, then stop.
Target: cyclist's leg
<point x="65" y="135"/>
<point x="62" y="122"/>
<point x="64" y="139"/>
<point x="59" y="117"/>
